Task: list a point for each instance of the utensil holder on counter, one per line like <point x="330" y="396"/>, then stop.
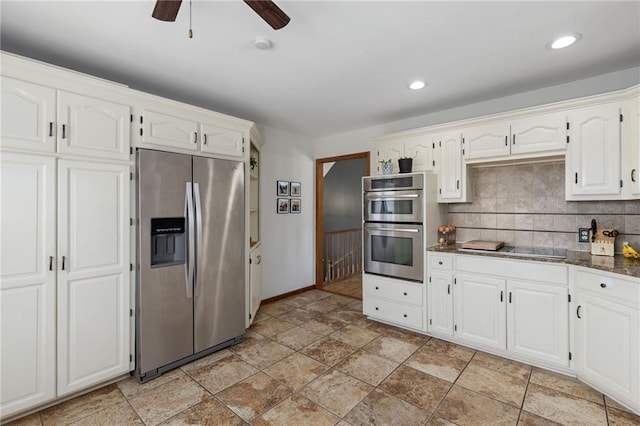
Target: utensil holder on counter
<point x="602" y="245"/>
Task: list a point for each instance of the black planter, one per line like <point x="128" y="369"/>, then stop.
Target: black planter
<point x="404" y="164"/>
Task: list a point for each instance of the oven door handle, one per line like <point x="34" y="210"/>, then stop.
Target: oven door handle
<point x="393" y="229"/>
<point x="390" y="197"/>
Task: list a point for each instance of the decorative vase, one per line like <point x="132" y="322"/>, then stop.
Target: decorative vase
<point x="405" y="165"/>
<point x="387" y="168"/>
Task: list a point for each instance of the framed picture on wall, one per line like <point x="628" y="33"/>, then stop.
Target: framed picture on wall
<point x="283" y="205"/>
<point x="283" y="188"/>
<point x="296" y="206"/>
<point x="296" y="189"/>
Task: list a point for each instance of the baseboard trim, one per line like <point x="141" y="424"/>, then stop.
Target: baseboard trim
<point x="288" y="294"/>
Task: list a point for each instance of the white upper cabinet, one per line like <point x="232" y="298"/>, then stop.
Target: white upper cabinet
<point x="76" y="124"/>
<point x="419" y="147"/>
<point x="593" y="156"/>
<point x="486" y="141"/>
<point x="390" y="150"/>
<point x="220" y="140"/>
<point x="93" y="127"/>
<point x="28" y="116"/>
<point x="168" y="130"/>
<point x="631" y="134"/>
<point x="452" y="174"/>
<point x="539" y="134"/>
<point x="93" y="279"/>
<point x="27" y="287"/>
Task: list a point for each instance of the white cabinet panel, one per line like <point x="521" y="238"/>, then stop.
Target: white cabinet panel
<point x="631" y="136"/>
<point x="410" y="316"/>
<point x="27" y="115"/>
<point x="421" y="149"/>
<point x="440" y="302"/>
<point x="593" y="154"/>
<point x="27" y="288"/>
<point x="538" y="321"/>
<point x="486" y="141"/>
<point x="255" y="279"/>
<point x="219" y="140"/>
<point x="391" y="150"/>
<point x="451" y="173"/>
<point x="480" y="310"/>
<point x="166" y="130"/>
<point x="540" y="133"/>
<point x="393" y="289"/>
<point x="93" y="282"/>
<point x="93" y="127"/>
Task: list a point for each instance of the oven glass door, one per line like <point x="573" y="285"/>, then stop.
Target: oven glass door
<point x="394" y="250"/>
<point x="393" y="206"/>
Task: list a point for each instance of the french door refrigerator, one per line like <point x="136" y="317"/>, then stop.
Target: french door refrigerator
<point x="191" y="249"/>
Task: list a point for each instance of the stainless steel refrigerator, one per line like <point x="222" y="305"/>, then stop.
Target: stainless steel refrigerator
<point x="191" y="256"/>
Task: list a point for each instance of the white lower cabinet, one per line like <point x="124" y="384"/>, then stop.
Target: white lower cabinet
<point x="607" y="330"/>
<point x="440" y="303"/>
<point x="65" y="300"/>
<point x="480" y="310"/>
<point x="397" y="301"/>
<point x="28" y="285"/>
<point x="538" y="321"/>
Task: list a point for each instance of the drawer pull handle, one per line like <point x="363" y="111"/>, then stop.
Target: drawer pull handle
<point x="509" y="297"/>
<point x="603" y="285"/>
<point x="51" y="263"/>
<point x="64" y="259"/>
<point x="50" y="128"/>
<point x="64" y="131"/>
<point x="440" y="262"/>
<point x="405" y="293"/>
<point x="578" y="312"/>
<point x="376" y="308"/>
<point x="405" y="315"/>
<point x="377" y="288"/>
<point x="501" y="295"/>
<point x="448" y="288"/>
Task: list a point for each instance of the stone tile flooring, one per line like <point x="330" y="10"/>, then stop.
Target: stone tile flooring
<point x="314" y="359"/>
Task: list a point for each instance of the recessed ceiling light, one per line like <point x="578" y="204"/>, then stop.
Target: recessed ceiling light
<point x="417" y="85"/>
<point x="564" y="41"/>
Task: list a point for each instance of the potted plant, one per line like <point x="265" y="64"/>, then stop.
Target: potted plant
<point x="386" y="166"/>
<point x="253" y="163"/>
<point x="405" y="163"/>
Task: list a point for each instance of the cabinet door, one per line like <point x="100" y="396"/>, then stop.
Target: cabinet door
<point x="486" y="141"/>
<point x="540" y="134"/>
<point x="93" y="127"/>
<point x="631" y="136"/>
<point x="440" y="301"/>
<point x="27" y="288"/>
<point x="93" y="273"/>
<point x="593" y="154"/>
<point x="165" y="130"/>
<point x="255" y="277"/>
<point x="220" y="140"/>
<point x="420" y="148"/>
<point x="390" y="150"/>
<point x="27" y="115"/>
<point x="607" y="348"/>
<point x="538" y="321"/>
<point x="450" y="171"/>
<point x="480" y="310"/>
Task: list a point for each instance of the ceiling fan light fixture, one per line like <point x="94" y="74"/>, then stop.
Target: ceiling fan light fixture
<point x="564" y="41"/>
<point x="417" y="85"/>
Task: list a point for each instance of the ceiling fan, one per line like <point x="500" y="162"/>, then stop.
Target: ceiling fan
<point x="167" y="10"/>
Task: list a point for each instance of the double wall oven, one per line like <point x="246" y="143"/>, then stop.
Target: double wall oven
<point x="393" y="216"/>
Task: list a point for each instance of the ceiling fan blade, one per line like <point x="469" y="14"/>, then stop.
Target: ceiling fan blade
<point x="166" y="10"/>
<point x="268" y="11"/>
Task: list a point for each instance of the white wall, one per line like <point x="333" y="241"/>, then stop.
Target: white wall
<point x="288" y="240"/>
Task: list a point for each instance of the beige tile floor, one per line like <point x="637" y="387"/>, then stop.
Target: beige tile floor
<point x="313" y="359"/>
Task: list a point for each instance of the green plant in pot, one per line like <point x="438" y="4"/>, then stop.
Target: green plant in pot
<point x="386" y="167"/>
<point x="253" y="163"/>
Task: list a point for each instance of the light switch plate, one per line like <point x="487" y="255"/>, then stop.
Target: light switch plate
<point x="583" y="235"/>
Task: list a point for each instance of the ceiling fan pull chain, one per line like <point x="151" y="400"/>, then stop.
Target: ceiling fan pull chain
<point x="190" y="30"/>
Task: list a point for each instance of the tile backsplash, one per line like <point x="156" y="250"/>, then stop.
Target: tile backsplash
<point x="524" y="205"/>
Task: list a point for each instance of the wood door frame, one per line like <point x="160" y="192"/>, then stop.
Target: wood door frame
<point x="320" y="202"/>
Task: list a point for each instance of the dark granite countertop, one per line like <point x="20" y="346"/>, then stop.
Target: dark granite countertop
<point x="617" y="264"/>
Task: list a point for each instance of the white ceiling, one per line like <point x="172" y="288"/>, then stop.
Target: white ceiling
<point x="337" y="66"/>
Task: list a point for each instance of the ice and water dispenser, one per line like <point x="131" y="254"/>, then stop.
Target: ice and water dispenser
<point x="168" y="241"/>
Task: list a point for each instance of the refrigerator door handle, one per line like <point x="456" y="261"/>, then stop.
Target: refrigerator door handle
<point x="189" y="266"/>
<point x="198" y="220"/>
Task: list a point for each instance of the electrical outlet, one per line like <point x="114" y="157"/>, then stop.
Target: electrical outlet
<point x="583" y="235"/>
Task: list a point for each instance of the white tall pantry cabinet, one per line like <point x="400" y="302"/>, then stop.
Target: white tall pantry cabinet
<point x="65" y="205"/>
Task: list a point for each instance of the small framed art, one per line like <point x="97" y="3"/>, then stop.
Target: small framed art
<point x="296" y="206"/>
<point x="296" y="189"/>
<point x="283" y="188"/>
<point x="283" y="205"/>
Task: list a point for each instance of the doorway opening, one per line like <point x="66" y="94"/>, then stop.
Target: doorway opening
<point x="339" y="223"/>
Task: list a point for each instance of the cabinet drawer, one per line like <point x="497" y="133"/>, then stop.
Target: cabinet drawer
<point x="609" y="286"/>
<point x="438" y="261"/>
<point x="394" y="290"/>
<point x="394" y="312"/>
<point x="515" y="269"/>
